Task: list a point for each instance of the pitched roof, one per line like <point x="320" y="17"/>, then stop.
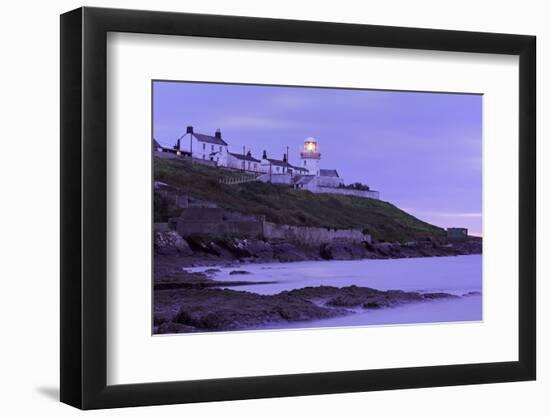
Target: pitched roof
<point x="209" y="139"/>
<point x="328" y="173"/>
<point x="244" y="157"/>
<point x="298" y="168"/>
<point x="278" y="162"/>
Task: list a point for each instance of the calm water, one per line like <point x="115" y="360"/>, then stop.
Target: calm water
<point x="456" y="275"/>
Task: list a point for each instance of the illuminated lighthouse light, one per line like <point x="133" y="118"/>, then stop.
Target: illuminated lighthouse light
<point x="311" y="156"/>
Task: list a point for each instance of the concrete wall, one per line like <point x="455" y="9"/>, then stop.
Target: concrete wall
<point x="312" y="235"/>
<point x="329" y="181"/>
<point x="285" y="179"/>
<point x="216" y="222"/>
<point x="345" y="191"/>
<point x="220" y="229"/>
<point x="219" y="223"/>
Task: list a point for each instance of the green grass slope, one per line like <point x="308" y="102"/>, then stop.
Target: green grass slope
<point x="284" y="205"/>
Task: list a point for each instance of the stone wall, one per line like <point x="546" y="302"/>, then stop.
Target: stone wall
<point x="220" y="229"/>
<point x="312" y="235"/>
<point x="285" y="179"/>
<point x="171" y="155"/>
<point x="347" y="191"/>
<point x="219" y="223"/>
<point x="329" y="181"/>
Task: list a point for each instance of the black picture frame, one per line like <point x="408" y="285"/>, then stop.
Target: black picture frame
<point x="84" y="207"/>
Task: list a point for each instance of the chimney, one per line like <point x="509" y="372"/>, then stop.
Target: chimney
<point x="177" y="145"/>
<point x="189" y="129"/>
<point x="264" y="155"/>
<point x="218" y="134"/>
<point x="284" y="157"/>
<point x="249" y="153"/>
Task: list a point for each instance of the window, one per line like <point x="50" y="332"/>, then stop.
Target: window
<point x="277" y="169"/>
<point x="304" y="162"/>
<point x="220" y="149"/>
<point x="212" y="148"/>
<point x="203" y="146"/>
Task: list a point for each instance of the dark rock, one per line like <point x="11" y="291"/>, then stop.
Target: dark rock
<point x="437" y="295"/>
<point x="250" y="248"/>
<point x="288" y="252"/>
<point x="171" y="328"/>
<point x="211" y="309"/>
<point x="372" y="305"/>
<point x="215" y="309"/>
<point x="165" y="316"/>
<point x="342" y="251"/>
<point x="169" y="242"/>
<point x="388" y="249"/>
<point x="212" y="270"/>
<point x="239" y="272"/>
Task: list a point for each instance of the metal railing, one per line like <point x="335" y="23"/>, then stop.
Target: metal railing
<point x="237" y="180"/>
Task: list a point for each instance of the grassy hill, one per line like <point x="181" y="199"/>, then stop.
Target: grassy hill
<point x="285" y="205"/>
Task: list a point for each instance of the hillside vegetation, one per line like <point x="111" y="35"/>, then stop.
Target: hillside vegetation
<point x="284" y="205"/>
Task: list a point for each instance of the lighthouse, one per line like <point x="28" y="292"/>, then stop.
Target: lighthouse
<point x="311" y="156"/>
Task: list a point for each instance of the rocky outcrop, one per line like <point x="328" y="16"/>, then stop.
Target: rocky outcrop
<point x="204" y="250"/>
<point x="217" y="309"/>
<point x="214" y="309"/>
<point x="197" y="280"/>
<point x="343" y="251"/>
<point x="169" y="242"/>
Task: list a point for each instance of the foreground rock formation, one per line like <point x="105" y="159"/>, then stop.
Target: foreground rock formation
<point x="190" y="302"/>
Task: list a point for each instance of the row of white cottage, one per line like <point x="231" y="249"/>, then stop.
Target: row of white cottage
<point x="308" y="175"/>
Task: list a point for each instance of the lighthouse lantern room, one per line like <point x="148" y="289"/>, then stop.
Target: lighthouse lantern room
<point x="311" y="156"/>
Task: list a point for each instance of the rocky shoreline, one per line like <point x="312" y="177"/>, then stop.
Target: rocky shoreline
<point x="188" y="302"/>
<point x="199" y="251"/>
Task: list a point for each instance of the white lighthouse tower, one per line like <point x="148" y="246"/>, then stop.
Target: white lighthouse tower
<point x="311" y="156"/>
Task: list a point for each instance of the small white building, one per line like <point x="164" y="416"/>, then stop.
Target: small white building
<point x="244" y="162"/>
<point x="280" y="166"/>
<point x="206" y="147"/>
<point x="329" y="178"/>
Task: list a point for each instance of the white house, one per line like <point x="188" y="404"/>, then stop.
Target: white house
<point x="279" y="166"/>
<point x="308" y="176"/>
<point x="201" y="146"/>
<point x="244" y="162"/>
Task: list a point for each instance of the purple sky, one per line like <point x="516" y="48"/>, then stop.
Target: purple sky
<point x="422" y="151"/>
